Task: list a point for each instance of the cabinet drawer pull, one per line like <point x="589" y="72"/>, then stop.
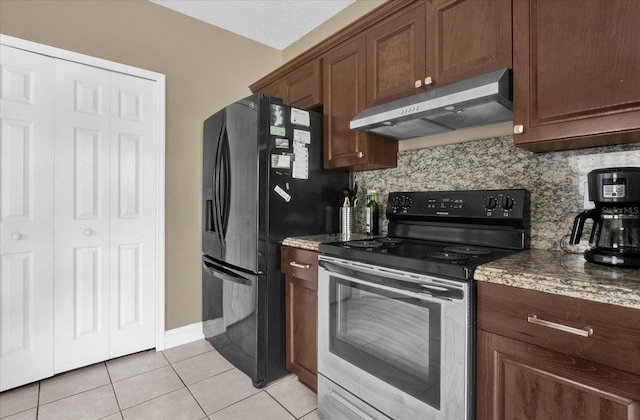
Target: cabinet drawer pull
<point x="584" y="331"/>
<point x="298" y="265"/>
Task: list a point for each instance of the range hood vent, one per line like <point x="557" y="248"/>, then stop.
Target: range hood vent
<point x="481" y="100"/>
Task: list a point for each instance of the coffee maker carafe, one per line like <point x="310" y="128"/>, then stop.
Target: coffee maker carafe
<point x="615" y="237"/>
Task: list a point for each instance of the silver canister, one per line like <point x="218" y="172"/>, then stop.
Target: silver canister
<point x="346" y="220"/>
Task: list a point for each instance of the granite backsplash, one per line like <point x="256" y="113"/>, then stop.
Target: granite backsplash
<point x="556" y="180"/>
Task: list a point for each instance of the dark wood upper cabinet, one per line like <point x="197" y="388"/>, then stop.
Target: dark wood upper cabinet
<point x="301" y="88"/>
<point x="396" y="56"/>
<point x="345" y="95"/>
<point x="304" y="85"/>
<point x="434" y="43"/>
<point x="466" y="38"/>
<point x="276" y="89"/>
<point x="575" y="72"/>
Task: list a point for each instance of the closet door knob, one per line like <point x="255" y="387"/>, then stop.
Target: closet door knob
<point x="88" y="232"/>
<point x="16" y="236"/>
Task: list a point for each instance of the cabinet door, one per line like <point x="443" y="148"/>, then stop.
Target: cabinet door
<point x="344" y="91"/>
<point x="302" y="328"/>
<point x="345" y="94"/>
<point x="521" y="381"/>
<point x="301" y="273"/>
<point x="134" y="214"/>
<point x="304" y="86"/>
<point x="396" y="57"/>
<point x="466" y="38"/>
<point x="26" y="217"/>
<point x="301" y="87"/>
<point x="82" y="214"/>
<point x="275" y="89"/>
<point x="575" y="72"/>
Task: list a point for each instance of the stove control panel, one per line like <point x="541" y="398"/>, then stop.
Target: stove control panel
<point x="476" y="204"/>
<point x="401" y="203"/>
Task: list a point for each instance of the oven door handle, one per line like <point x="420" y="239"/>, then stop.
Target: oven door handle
<point x="419" y="291"/>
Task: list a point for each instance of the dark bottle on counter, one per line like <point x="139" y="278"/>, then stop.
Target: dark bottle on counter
<point x="372" y="214"/>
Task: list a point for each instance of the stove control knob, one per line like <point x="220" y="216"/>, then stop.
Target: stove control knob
<point x="490" y="203"/>
<point x="507" y="203"/>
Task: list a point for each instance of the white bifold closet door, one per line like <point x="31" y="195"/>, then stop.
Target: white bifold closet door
<point x="26" y="216"/>
<point x="105" y="215"/>
<point x="79" y="205"/>
<point x="134" y="214"/>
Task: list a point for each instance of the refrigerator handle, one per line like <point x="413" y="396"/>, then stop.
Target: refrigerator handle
<point x="224" y="274"/>
<point x="225" y="159"/>
<point x="217" y="186"/>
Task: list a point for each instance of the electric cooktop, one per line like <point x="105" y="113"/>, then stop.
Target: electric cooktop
<point x="444" y="233"/>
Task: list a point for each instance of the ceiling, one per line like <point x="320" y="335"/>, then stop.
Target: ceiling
<point x="276" y="23"/>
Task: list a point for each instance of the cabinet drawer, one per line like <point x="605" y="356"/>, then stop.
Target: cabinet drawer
<point x="301" y="264"/>
<point x="540" y="318"/>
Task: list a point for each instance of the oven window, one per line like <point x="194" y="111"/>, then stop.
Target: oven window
<point x="391" y="336"/>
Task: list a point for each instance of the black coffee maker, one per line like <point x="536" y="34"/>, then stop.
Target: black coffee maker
<point x="615" y="237"/>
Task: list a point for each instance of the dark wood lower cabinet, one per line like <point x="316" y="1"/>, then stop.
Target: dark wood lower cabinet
<point x="301" y="275"/>
<point x="302" y="346"/>
<point x="542" y="356"/>
<point x="518" y="381"/>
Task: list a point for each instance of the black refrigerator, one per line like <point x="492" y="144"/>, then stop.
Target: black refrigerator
<point x="262" y="181"/>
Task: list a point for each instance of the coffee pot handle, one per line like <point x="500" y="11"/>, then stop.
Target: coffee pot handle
<point x="578" y="224"/>
<point x="596" y="228"/>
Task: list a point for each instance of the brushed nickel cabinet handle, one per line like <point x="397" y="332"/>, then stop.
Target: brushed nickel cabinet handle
<point x="298" y="265"/>
<point x="584" y="331"/>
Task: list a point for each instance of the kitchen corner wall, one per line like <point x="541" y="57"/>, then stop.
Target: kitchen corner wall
<point x="556" y="181"/>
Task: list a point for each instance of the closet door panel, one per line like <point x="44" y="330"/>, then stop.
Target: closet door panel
<point x="134" y="205"/>
<point x="82" y="215"/>
<point x="26" y="217"/>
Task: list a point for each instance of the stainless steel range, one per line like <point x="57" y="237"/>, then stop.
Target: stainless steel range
<point x="396" y="314"/>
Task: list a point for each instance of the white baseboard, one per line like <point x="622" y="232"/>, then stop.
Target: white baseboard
<point x="183" y="335"/>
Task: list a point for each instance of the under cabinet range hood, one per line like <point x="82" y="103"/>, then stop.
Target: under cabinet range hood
<point x="481" y="100"/>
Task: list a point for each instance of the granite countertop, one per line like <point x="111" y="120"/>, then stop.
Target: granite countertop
<point x="564" y="274"/>
<point x="534" y="269"/>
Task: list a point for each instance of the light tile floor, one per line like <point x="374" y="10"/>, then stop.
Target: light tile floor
<point x="187" y="382"/>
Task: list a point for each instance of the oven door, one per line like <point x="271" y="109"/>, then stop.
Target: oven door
<point x="398" y="341"/>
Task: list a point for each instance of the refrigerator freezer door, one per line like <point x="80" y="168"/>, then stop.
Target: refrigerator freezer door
<point x="230" y="185"/>
<point x="233" y="317"/>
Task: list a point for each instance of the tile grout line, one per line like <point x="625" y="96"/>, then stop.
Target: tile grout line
<point x="185" y="385"/>
<point x="157" y="396"/>
<point x="281" y="405"/>
<point x="38" y="401"/>
<point x="113" y="388"/>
